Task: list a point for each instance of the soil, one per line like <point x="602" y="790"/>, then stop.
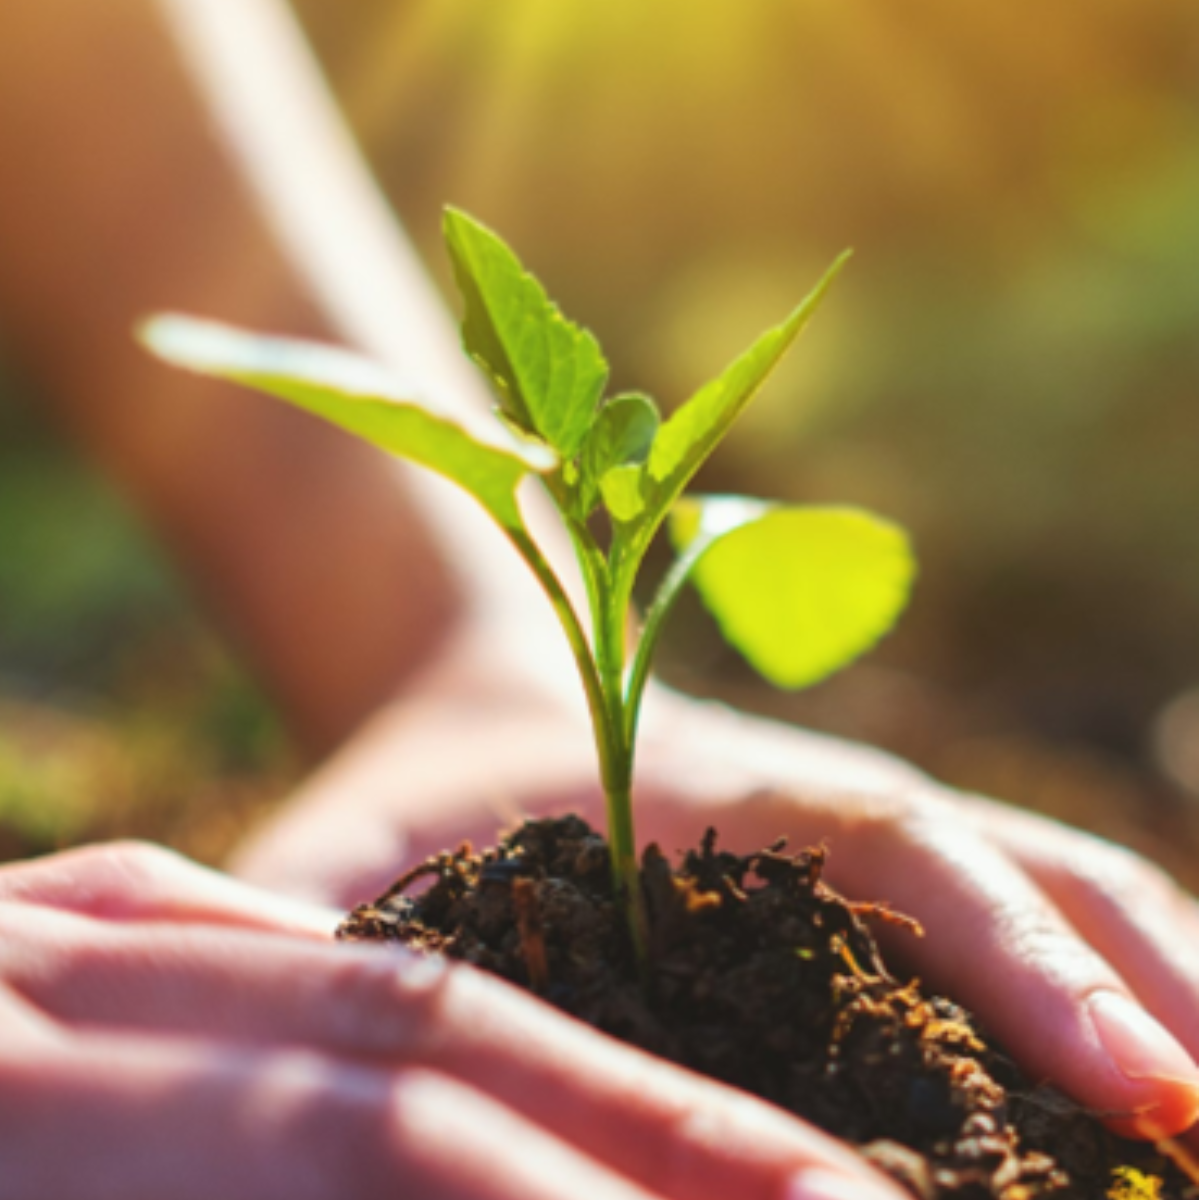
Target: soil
<point x="763" y="977"/>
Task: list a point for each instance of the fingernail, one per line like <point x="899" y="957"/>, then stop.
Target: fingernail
<point x="1145" y="1053"/>
<point x="826" y="1185"/>
<point x="1140" y="1048"/>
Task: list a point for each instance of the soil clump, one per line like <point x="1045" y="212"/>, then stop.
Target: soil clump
<point x="761" y="976"/>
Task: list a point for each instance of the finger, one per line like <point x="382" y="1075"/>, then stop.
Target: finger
<point x="21" y="1022"/>
<point x="997" y="945"/>
<point x="138" y="881"/>
<point x="662" y="1128"/>
<point x="268" y="1126"/>
<point x="1130" y="911"/>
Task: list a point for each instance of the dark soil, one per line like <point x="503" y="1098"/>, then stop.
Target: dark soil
<point x="763" y="977"/>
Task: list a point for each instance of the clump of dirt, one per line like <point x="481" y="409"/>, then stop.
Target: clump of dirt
<point x="763" y="977"/>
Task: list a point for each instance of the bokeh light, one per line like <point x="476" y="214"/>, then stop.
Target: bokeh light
<point x="1006" y="368"/>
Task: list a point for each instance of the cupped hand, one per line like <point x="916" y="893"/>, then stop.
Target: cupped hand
<point x="165" y="1031"/>
<point x="1078" y="955"/>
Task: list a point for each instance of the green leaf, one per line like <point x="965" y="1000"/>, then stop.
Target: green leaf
<point x="359" y="397"/>
<point x="621" y="489"/>
<point x="549" y="373"/>
<point x="620" y="439"/>
<point x="623" y="433"/>
<point x="800" y="592"/>
<point x="692" y="433"/>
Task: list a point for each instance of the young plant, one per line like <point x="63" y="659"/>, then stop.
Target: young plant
<point x="800" y="592"/>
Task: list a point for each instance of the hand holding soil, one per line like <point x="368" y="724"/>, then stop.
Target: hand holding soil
<point x="800" y="592"/>
<point x="149" y="1004"/>
<point x="166" y="1031"/>
<point x="167" y="1034"/>
<point x="1053" y="939"/>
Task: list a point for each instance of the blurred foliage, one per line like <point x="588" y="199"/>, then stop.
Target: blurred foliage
<point x="120" y="712"/>
<point x="76" y="580"/>
<point x="1006" y="368"/>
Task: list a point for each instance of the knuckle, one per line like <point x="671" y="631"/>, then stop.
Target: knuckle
<point x="686" y="1153"/>
<point x="361" y="1131"/>
<point x="414" y="1094"/>
<point x="914" y="818"/>
<point x="139" y="858"/>
<point x="14" y="919"/>
<point x="390" y="1005"/>
<point x="705" y="1145"/>
<point x="24" y="1029"/>
<point x="430" y="1118"/>
<point x="1040" y="936"/>
<point x="128" y="865"/>
<point x="124" y="875"/>
<point x="1121" y="876"/>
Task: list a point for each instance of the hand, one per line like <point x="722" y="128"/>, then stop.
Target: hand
<point x="167" y="1031"/>
<point x="1079" y="956"/>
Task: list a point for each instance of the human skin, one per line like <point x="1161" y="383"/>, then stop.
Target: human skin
<point x="390" y="652"/>
<point x="167" y="1031"/>
<point x="1022" y="915"/>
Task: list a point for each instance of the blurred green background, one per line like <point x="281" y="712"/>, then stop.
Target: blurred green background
<point x="1006" y="369"/>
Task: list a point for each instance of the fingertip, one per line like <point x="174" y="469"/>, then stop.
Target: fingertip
<point x="1167" y="1111"/>
<point x="1154" y="1072"/>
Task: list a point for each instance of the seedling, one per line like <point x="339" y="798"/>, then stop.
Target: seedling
<point x="800" y="592"/>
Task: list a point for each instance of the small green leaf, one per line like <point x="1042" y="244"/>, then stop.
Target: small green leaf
<point x="623" y="433"/>
<point x="800" y="592"/>
<point x="692" y="433"/>
<point x="549" y="373"/>
<point x="621" y="437"/>
<point x="621" y="489"/>
<point x="360" y="398"/>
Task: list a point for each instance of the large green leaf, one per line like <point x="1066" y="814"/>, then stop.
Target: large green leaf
<point x="360" y="398"/>
<point x="549" y="373"/>
<point x="800" y="592"/>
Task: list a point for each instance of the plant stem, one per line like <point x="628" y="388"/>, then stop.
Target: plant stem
<point x="602" y="670"/>
<point x="614" y="747"/>
<point x="593" y="689"/>
<point x="664" y="601"/>
<point x="618" y="780"/>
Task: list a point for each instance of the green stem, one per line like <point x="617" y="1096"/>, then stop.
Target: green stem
<point x="601" y="671"/>
<point x="614" y="748"/>
<point x="593" y="689"/>
<point x="664" y="601"/>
